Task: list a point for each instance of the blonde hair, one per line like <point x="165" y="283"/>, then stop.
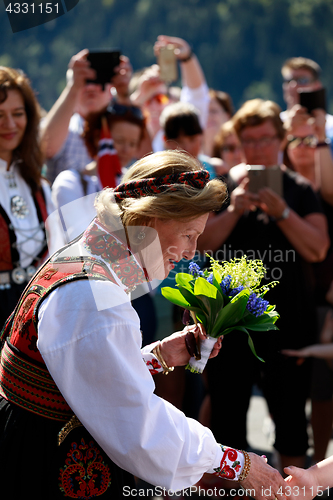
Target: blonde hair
<point x="184" y="203"/>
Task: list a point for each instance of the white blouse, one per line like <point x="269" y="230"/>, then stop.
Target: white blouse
<point x="28" y="231"/>
<point x="90" y="339"/>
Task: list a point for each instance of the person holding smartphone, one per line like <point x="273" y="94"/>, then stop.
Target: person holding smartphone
<point x="308" y="152"/>
<point x="302" y="74"/>
<point x="287" y="233"/>
<point x="63" y="125"/>
<point x="152" y="94"/>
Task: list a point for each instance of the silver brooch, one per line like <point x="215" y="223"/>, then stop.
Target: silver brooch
<point x="19" y="207"/>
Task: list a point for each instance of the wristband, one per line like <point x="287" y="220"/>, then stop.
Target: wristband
<point x="326" y="142"/>
<point x="188" y="58"/>
<point x="284" y="215"/>
<point x="232" y="464"/>
<point x="246" y="468"/>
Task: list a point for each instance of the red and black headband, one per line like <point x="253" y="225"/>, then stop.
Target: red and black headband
<point x="155" y="185"/>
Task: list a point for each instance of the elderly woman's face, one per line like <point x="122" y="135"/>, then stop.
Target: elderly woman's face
<point x="178" y="240"/>
<point x="13" y="122"/>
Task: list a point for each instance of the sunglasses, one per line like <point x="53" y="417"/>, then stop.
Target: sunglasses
<point x="302" y="80"/>
<point x="160" y="98"/>
<point x="120" y="110"/>
<point x="309" y="141"/>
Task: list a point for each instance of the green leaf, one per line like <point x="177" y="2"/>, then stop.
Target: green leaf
<point x="250" y="342"/>
<point x="267" y="317"/>
<point x="189" y="296"/>
<point x="265" y="327"/>
<point x="231" y="314"/>
<point x="202" y="287"/>
<point x="175" y="296"/>
<point x="185" y="280"/>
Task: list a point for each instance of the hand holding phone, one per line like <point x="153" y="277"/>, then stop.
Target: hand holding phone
<point x="311" y="100"/>
<point x="104" y="63"/>
<point x="167" y="62"/>
<point x="261" y="177"/>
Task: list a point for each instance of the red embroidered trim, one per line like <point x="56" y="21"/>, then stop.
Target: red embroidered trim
<point x="228" y="470"/>
<point x="24" y="379"/>
<point x="153" y="366"/>
<point x="85" y="475"/>
<point x="31" y="387"/>
<point x="154" y="185"/>
<point x="5" y="253"/>
<point x="115" y="253"/>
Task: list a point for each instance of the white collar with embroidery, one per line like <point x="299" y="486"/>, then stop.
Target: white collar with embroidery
<point x="109" y="248"/>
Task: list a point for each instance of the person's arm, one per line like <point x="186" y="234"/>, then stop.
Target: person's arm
<point x="95" y="359"/>
<point x="55" y="125"/>
<point x="194" y="86"/>
<point x="149" y="84"/>
<point x="191" y="70"/>
<point x="323" y="351"/>
<point x="323" y="158"/>
<point x="305" y="484"/>
<point x="308" y="235"/>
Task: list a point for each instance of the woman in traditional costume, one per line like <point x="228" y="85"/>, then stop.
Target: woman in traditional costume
<point x="78" y="413"/>
<point x="25" y="197"/>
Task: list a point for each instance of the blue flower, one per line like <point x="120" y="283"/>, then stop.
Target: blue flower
<point x="195" y="270"/>
<point x="210" y="278"/>
<point x="236" y="290"/>
<point x="225" y="284"/>
<point x="256" y="305"/>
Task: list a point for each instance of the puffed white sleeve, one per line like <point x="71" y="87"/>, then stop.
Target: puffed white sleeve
<point x="199" y="97"/>
<point x="95" y="359"/>
<point x="54" y="231"/>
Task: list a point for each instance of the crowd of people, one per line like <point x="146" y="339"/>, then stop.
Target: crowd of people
<point x="111" y="192"/>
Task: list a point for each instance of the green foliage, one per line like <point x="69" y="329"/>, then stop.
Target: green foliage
<point x="240" y="43"/>
<point x="221" y="314"/>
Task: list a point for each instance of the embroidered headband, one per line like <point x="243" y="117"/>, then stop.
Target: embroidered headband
<point x="155" y="185"/>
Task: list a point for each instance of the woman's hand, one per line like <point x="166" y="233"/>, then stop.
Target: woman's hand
<point x="271" y="203"/>
<point x="181" y="48"/>
<point x="304" y="481"/>
<point x="173" y="348"/>
<point x="319" y="122"/>
<point x="242" y="200"/>
<point x="79" y="71"/>
<point x="149" y="84"/>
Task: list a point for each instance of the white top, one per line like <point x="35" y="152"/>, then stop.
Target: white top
<point x="28" y="231"/>
<point x="199" y="97"/>
<point x="76" y="207"/>
<point x="95" y="359"/>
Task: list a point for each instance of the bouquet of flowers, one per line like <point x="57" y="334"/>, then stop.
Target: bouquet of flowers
<point x="224" y="298"/>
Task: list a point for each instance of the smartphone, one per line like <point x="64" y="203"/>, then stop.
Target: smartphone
<point x="167" y="62"/>
<point x="313" y="99"/>
<point x="103" y="62"/>
<point x="260" y="177"/>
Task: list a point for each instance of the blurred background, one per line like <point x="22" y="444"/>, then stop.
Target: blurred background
<point x="241" y="44"/>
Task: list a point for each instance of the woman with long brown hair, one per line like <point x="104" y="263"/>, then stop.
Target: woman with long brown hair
<point x="24" y="196"/>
